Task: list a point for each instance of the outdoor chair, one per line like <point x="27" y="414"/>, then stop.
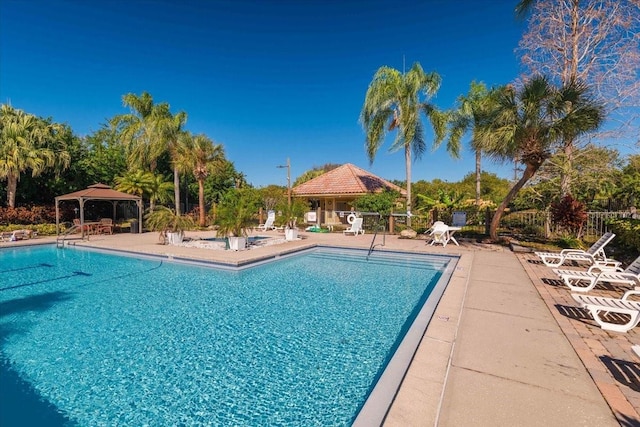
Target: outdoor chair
<point x="105" y="226"/>
<point x="442" y="233"/>
<point x="85" y="227"/>
<point x="6" y="236"/>
<point x="355" y="228"/>
<point x="597" y="273"/>
<point x="594" y="255"/>
<point x="268" y="224"/>
<point x="598" y="306"/>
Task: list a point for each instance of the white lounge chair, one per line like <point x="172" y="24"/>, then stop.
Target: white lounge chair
<point x="355" y="228"/>
<point x="574" y="279"/>
<point x="624" y="305"/>
<point x="268" y="224"/>
<point x="442" y="233"/>
<point x="594" y="255"/>
<point x="636" y="350"/>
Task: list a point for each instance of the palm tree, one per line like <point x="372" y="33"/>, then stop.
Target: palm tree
<point x="159" y="190"/>
<point x="145" y="184"/>
<point x="171" y="128"/>
<point x="468" y="116"/>
<point x="137" y="129"/>
<point x="24" y="141"/>
<point x="395" y="100"/>
<point x="136" y="182"/>
<point x="149" y="131"/>
<point x="530" y="123"/>
<point x="198" y="154"/>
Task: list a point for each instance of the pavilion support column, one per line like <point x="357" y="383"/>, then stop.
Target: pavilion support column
<point x="81" y="201"/>
<point x="139" y="203"/>
<point x="57" y="218"/>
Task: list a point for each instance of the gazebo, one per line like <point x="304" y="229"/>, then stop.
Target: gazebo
<point x="99" y="192"/>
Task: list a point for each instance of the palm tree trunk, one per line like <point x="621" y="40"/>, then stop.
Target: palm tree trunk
<point x="565" y="178"/>
<point x="478" y="171"/>
<point x="407" y="157"/>
<point x="529" y="171"/>
<point x="12" y="185"/>
<point x="201" y="202"/>
<point x="176" y="188"/>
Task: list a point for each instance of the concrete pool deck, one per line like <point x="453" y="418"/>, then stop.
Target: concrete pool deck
<point x="506" y="345"/>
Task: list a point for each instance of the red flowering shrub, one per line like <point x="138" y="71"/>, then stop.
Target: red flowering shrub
<point x="569" y="214"/>
<point x="28" y="215"/>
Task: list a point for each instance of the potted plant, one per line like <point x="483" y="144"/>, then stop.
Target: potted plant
<point x="290" y="214"/>
<point x="235" y="216"/>
<point x="170" y="225"/>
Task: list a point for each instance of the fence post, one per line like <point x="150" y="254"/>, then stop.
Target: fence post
<point x="487" y="221"/>
<point x="547" y="224"/>
<point x="391" y="224"/>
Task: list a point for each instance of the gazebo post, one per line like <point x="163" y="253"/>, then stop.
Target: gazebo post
<point x="139" y="203"/>
<point x="81" y="201"/>
<point x="57" y="217"/>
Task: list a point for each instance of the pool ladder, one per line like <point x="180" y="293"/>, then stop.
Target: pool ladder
<point x="381" y="222"/>
<point x="61" y="238"/>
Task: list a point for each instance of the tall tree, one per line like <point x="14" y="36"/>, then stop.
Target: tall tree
<point x="471" y="110"/>
<point x="530" y="123"/>
<point x="395" y="100"/>
<point x="596" y="42"/>
<point x="136" y="182"/>
<point x="106" y="156"/>
<point x="158" y="190"/>
<point x="171" y="127"/>
<point x="27" y="143"/>
<point x="198" y="154"/>
<point x="149" y="131"/>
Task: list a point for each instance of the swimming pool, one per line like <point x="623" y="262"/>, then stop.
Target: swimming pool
<point x="91" y="338"/>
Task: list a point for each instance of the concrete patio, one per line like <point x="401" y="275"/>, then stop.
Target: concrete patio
<point x="506" y="345"/>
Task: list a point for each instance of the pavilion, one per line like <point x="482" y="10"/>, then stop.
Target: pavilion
<point x="333" y="193"/>
<point x="100" y="192"/>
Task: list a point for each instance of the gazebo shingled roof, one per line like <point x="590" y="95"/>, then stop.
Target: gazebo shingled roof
<point x="98" y="192"/>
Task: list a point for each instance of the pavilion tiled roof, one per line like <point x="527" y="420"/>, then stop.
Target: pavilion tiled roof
<point x="347" y="179"/>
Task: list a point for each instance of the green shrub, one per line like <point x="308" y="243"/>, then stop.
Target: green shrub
<point x="569" y="242"/>
<point x="41" y="229"/>
<point x="627" y="231"/>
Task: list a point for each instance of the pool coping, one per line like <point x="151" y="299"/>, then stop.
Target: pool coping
<point x="379" y="402"/>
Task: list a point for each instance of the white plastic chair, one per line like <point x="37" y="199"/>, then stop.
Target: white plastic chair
<point x="594" y="255"/>
<point x="624" y="305"/>
<point x="597" y="274"/>
<point x="440" y="233"/>
<point x="355" y="228"/>
<point x="268" y="224"/>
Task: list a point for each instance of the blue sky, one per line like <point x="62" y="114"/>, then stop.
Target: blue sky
<point x="268" y="80"/>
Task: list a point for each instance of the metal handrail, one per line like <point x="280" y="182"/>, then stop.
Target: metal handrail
<point x="381" y="219"/>
<point x="59" y="242"/>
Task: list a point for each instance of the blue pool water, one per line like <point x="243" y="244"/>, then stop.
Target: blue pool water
<point x="90" y="338"/>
